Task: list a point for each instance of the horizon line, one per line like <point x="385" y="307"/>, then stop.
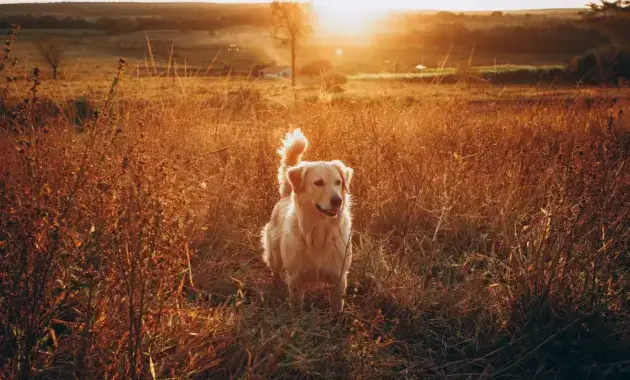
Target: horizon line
<point x="228" y="3"/>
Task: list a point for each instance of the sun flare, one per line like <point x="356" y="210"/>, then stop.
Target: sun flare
<point x="347" y="19"/>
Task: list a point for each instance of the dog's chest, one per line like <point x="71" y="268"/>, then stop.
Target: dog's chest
<point x="326" y="248"/>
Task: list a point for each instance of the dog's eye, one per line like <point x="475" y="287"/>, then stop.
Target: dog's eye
<point x="319" y="183"/>
<point x="338" y="183"/>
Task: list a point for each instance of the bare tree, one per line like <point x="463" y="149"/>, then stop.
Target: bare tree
<point x="52" y="54"/>
<point x="291" y="27"/>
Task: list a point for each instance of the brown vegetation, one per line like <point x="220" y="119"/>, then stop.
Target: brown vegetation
<point x="491" y="236"/>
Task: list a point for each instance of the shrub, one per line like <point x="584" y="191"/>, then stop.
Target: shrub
<point x="602" y="66"/>
<point x="316" y="68"/>
<point x="558" y="38"/>
<point x="491" y="235"/>
<point x="333" y="82"/>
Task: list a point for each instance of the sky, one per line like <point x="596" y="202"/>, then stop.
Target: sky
<point x="458" y="5"/>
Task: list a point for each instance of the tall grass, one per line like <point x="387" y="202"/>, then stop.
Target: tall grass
<point x="491" y="237"/>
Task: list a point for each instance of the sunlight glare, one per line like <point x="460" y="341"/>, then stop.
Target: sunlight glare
<point x="349" y="19"/>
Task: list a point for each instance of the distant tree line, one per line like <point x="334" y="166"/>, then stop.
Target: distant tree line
<point x="560" y="39"/>
<point x="120" y="25"/>
<point x="608" y="64"/>
<point x="612" y="18"/>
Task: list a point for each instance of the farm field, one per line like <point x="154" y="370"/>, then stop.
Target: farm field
<point x="491" y="220"/>
<point x="90" y="54"/>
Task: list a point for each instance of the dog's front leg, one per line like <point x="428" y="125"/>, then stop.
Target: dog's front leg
<point x="338" y="293"/>
<point x="296" y="290"/>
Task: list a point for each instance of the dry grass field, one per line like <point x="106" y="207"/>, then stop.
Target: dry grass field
<point x="491" y="231"/>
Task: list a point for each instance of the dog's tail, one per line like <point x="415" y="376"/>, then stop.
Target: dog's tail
<point x="293" y="145"/>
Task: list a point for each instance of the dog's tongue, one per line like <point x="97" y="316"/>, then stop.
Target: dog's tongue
<point x="331" y="212"/>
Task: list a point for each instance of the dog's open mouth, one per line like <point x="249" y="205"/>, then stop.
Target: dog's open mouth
<point x="330" y="213"/>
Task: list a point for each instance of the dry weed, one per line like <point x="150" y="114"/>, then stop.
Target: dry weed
<point x="491" y="238"/>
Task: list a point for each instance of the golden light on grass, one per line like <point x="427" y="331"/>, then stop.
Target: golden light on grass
<point x="490" y="222"/>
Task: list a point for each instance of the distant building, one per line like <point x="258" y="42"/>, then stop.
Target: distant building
<point x="275" y="72"/>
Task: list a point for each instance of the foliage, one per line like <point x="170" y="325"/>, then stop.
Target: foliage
<point x="121" y="25"/>
<point x="5" y="58"/>
<point x="433" y="32"/>
<point x="448" y="16"/>
<point x="611" y="7"/>
<point x="613" y="19"/>
<point x="316" y="68"/>
<point x="291" y="26"/>
<point x="333" y="82"/>
<point x="557" y="39"/>
<point x="602" y="66"/>
<point x="491" y="234"/>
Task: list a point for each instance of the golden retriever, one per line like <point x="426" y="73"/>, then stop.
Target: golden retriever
<point x="308" y="236"/>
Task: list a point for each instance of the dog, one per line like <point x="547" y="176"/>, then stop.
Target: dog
<point x="308" y="235"/>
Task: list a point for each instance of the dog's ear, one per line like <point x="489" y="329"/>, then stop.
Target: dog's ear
<point x="296" y="175"/>
<point x="345" y="173"/>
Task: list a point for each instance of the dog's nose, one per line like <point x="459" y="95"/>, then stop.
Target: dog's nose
<point x="335" y="201"/>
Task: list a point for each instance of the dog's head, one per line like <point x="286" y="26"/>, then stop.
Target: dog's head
<point x="324" y="185"/>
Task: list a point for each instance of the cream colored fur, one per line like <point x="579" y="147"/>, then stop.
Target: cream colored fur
<point x="308" y="236"/>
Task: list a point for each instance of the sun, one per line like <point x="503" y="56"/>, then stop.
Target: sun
<point x="349" y="19"/>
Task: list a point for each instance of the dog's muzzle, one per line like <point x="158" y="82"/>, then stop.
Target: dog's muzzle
<point x="329" y="213"/>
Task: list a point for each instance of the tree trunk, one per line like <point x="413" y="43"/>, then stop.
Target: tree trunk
<point x="54" y="67"/>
